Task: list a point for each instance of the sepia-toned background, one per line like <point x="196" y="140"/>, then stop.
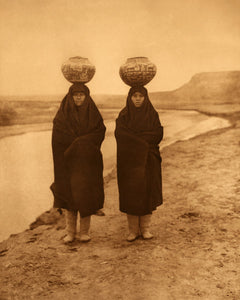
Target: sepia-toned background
<point x="195" y="45"/>
<point x="181" y="37"/>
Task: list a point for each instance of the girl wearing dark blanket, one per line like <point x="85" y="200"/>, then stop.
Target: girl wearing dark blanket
<point x="78" y="132"/>
<point x="138" y="134"/>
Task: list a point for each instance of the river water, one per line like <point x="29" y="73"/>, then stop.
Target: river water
<point x="26" y="169"/>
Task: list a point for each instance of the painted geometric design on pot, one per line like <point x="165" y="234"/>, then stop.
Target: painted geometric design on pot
<point x="78" y="69"/>
<point x="137" y="71"/>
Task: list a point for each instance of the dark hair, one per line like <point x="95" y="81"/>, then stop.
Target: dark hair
<point x="79" y="87"/>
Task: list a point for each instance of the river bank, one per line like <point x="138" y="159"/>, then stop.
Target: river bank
<point x="194" y="253"/>
<point x="26" y="170"/>
<point x="11" y="130"/>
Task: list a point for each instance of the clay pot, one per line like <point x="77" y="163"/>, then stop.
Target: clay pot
<point x="137" y="71"/>
<point x="78" y="69"/>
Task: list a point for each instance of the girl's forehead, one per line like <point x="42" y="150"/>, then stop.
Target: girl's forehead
<point x="78" y="93"/>
<point x="137" y="94"/>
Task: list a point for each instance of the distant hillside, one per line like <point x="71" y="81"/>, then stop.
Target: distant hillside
<point x="32" y="98"/>
<point x="109" y="101"/>
<point x="203" y="89"/>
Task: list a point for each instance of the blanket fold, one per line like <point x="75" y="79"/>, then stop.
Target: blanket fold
<point x="138" y="133"/>
<point x="78" y="165"/>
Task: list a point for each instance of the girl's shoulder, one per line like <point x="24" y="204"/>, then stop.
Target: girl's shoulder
<point x="122" y="113"/>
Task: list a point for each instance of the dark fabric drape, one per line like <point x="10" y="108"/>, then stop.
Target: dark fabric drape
<point x="138" y="134"/>
<point x="78" y="132"/>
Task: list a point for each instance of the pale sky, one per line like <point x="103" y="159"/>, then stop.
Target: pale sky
<point x="182" y="37"/>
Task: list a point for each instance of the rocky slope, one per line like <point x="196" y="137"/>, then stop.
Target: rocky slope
<point x="221" y="88"/>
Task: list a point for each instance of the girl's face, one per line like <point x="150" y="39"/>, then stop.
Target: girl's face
<point x="137" y="99"/>
<point x="78" y="98"/>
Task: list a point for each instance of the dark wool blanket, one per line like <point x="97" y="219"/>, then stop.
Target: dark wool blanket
<point x="138" y="133"/>
<point x="78" y="166"/>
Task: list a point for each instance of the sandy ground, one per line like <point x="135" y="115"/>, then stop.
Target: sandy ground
<point x="195" y="253"/>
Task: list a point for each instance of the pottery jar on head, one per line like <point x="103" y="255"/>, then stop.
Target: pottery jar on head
<point x="78" y="69"/>
<point x="137" y="71"/>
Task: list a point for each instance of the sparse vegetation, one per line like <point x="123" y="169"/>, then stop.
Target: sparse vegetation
<point x="27" y="112"/>
<point x="210" y="93"/>
<point x="7" y="113"/>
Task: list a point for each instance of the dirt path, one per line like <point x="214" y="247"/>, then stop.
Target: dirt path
<point x="194" y="255"/>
